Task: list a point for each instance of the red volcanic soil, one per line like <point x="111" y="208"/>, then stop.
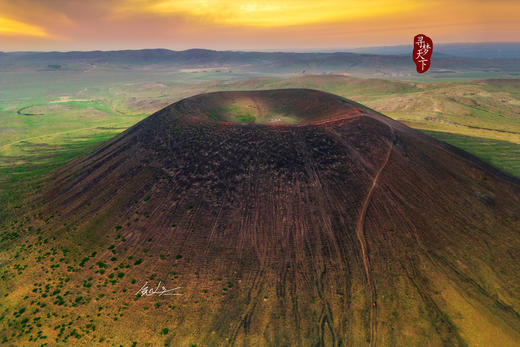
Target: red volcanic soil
<point x="339" y="227"/>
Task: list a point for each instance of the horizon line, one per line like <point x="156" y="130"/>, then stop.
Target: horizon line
<point x="265" y="50"/>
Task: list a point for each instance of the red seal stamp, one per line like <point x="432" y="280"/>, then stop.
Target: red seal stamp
<point x="422" y="52"/>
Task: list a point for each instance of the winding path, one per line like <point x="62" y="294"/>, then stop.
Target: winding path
<point x="20" y="111"/>
<point x="362" y="241"/>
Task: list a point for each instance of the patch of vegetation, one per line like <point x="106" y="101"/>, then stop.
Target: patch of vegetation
<point x="245" y="118"/>
<point x="501" y="154"/>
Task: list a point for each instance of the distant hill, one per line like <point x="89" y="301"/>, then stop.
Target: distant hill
<point x="488" y="50"/>
<point x="260" y="62"/>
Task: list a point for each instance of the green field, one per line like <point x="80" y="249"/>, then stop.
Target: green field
<point x="502" y="154"/>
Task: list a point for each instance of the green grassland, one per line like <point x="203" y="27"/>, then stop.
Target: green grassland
<point x="502" y="154"/>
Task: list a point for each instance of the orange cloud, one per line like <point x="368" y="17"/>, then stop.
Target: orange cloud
<point x="250" y="24"/>
<point x="17" y="28"/>
<point x="268" y="13"/>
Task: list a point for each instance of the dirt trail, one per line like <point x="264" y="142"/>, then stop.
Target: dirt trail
<point x="258" y="108"/>
<point x="362" y="241"/>
<point x="20" y="111"/>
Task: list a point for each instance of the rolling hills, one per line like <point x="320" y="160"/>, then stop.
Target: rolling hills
<point x="486" y="50"/>
<point x="263" y="63"/>
<point x="283" y="217"/>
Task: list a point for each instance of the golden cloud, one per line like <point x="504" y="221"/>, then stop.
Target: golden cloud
<point x="267" y="13"/>
<point x="16" y="28"/>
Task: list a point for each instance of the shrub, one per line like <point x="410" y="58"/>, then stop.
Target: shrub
<point x="83" y="261"/>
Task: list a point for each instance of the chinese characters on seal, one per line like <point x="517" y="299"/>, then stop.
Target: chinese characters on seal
<point x="422" y="52"/>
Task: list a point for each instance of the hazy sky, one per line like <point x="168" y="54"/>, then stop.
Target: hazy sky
<point x="256" y="24"/>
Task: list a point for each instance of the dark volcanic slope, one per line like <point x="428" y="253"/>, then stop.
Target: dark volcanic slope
<point x="325" y="224"/>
